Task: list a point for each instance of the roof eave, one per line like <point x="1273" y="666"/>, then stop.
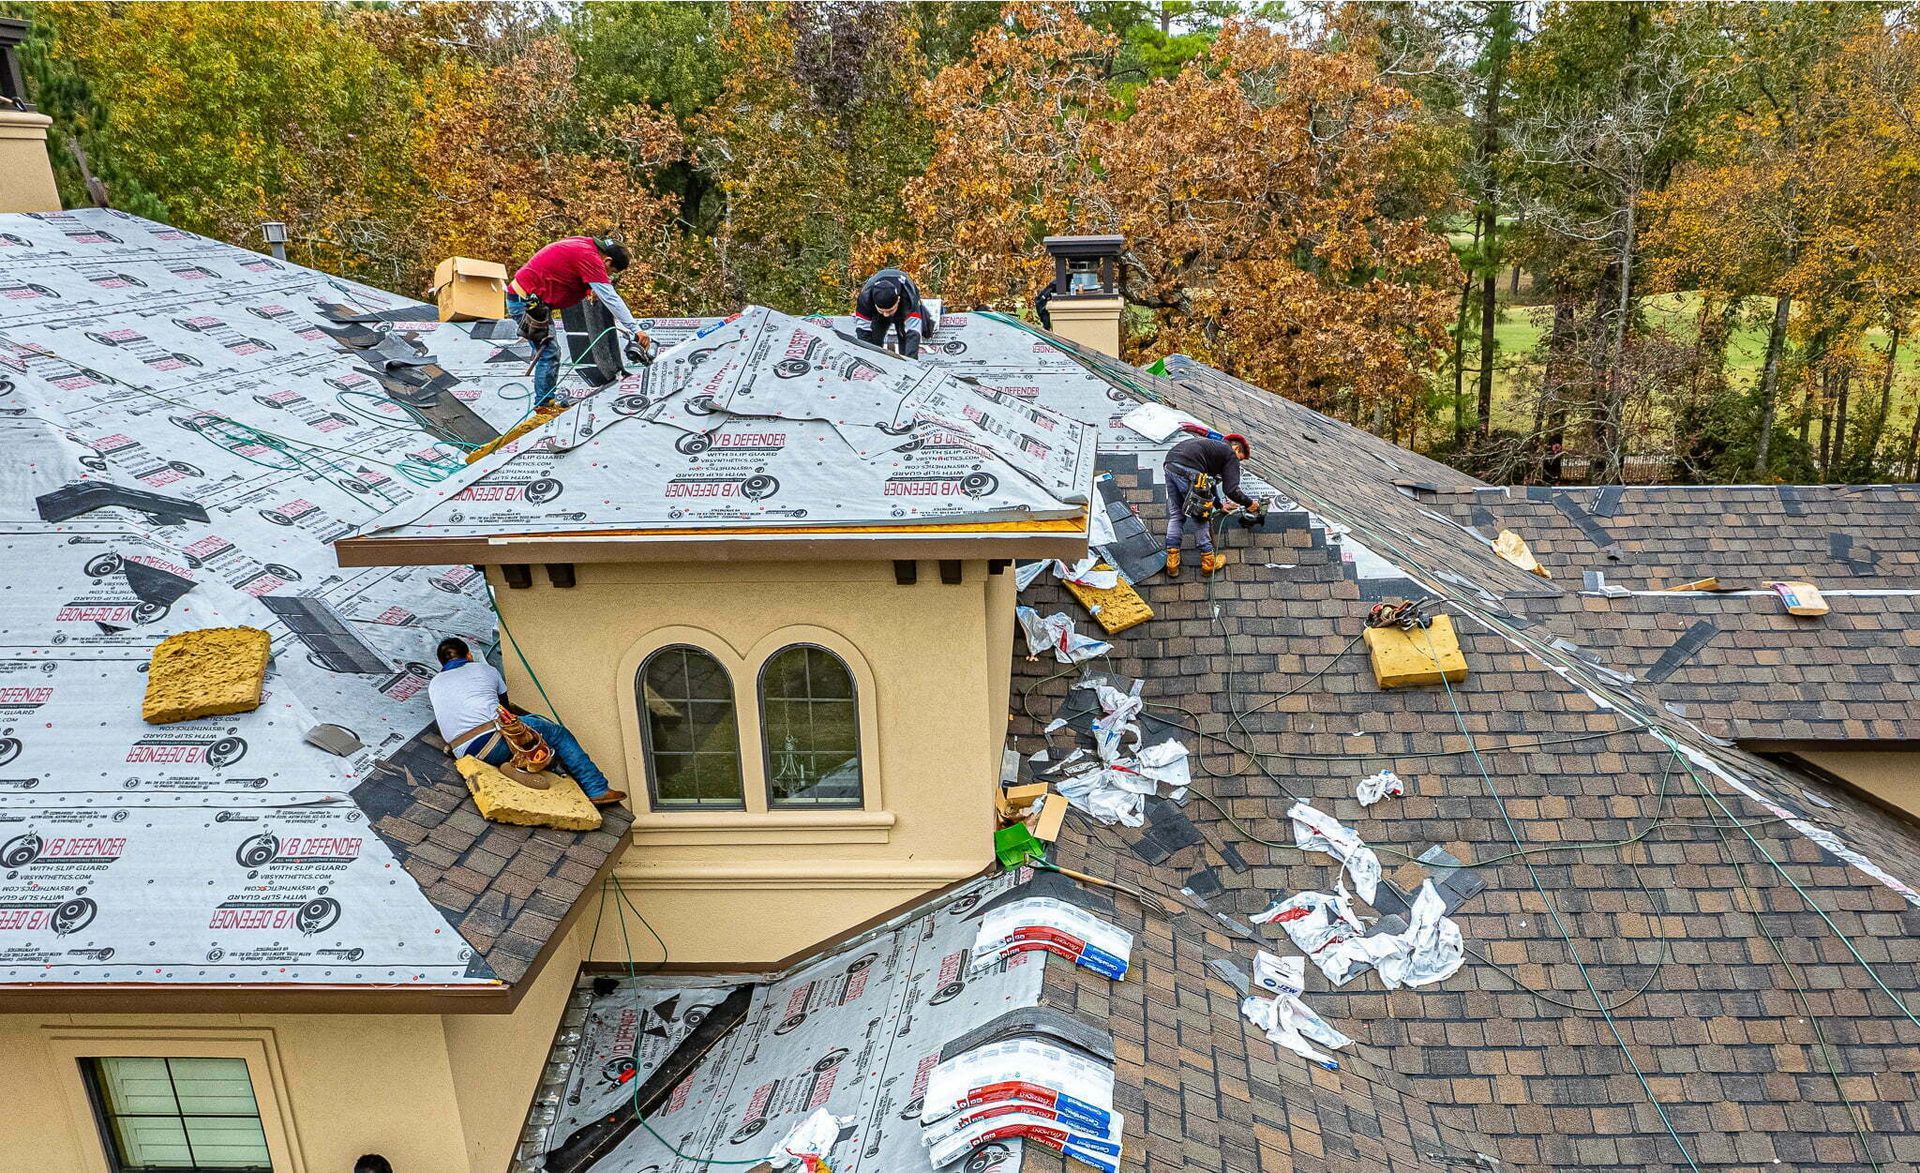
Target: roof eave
<point x="1069" y="544"/>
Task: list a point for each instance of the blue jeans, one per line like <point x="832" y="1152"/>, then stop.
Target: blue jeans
<point x="566" y="747"/>
<point x="546" y="360"/>
<point x="1178" y="487"/>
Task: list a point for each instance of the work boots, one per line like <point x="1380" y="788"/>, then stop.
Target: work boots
<point x="1210" y="562"/>
<point x="1173" y="563"/>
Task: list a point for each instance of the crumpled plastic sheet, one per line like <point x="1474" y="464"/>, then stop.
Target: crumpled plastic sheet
<point x="1118" y="710"/>
<point x="1083" y="572"/>
<point x="1155" y="421"/>
<point x="1289" y="1022"/>
<point x="1279" y="975"/>
<point x="1374" y="787"/>
<point x="1055" y="633"/>
<point x="810" y="1143"/>
<point x="1325" y="929"/>
<point x="1314" y="830"/>
<point x="1025" y="574"/>
<point x="1106" y="795"/>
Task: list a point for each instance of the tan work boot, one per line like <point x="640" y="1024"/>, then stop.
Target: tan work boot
<point x="610" y="798"/>
<point x="1173" y="563"/>
<point x="1210" y="562"/>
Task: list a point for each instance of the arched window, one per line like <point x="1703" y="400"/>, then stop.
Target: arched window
<point x="692" y="742"/>
<point x="810" y="720"/>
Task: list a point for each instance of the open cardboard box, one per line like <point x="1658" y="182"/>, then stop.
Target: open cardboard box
<point x="468" y="290"/>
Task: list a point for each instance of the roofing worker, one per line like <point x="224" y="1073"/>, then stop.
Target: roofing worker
<point x="559" y="277"/>
<point x="1218" y="461"/>
<point x="890" y="300"/>
<point x="467" y="697"/>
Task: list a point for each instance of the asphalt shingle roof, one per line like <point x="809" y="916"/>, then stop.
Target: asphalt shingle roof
<point x="1667" y="904"/>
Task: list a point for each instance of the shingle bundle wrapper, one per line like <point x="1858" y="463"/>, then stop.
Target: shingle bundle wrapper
<point x="1053" y="926"/>
<point x="1284" y="1017"/>
<point x="1055" y="633"/>
<point x="1025" y="1089"/>
<point x="1314" y="830"/>
<point x="1326" y="929"/>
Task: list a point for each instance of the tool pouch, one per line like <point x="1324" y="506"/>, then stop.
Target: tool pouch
<point x="1200" y="504"/>
<point x="536" y="322"/>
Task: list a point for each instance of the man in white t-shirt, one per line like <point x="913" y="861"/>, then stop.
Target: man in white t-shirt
<point x="466" y="698"/>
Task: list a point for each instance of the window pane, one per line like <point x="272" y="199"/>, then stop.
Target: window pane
<point x="137" y="1087"/>
<point x="228" y="1142"/>
<point x="148" y="1142"/>
<point x="811" y="723"/>
<point x="212" y="1087"/>
<point x="692" y="739"/>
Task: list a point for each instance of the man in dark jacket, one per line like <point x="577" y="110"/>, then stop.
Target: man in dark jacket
<point x="1218" y="461"/>
<point x="891" y="301"/>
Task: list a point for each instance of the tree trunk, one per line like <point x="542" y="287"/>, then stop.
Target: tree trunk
<point x="1769" y="380"/>
<point x="1826" y="424"/>
<point x="1460" y="354"/>
<point x="1886" y="401"/>
<point x="1845" y="379"/>
<point x="1558" y="339"/>
<point x="1500" y="46"/>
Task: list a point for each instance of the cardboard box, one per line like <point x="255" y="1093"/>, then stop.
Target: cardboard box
<point x="469" y="291"/>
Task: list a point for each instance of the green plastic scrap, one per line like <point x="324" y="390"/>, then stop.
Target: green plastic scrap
<point x="1016" y="845"/>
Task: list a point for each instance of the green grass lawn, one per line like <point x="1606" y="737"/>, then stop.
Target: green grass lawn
<point x="1520" y="328"/>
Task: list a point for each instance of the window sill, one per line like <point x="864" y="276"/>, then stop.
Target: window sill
<point x="709" y="828"/>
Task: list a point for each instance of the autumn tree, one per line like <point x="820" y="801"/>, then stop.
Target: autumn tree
<point x="1263" y="193"/>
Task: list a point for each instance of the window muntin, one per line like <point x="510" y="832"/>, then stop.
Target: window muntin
<point x="161" y="1115"/>
<point x="691" y="732"/>
<point x="810" y="730"/>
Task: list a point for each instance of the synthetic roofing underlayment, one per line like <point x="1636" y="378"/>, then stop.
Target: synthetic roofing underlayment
<point x="187" y="426"/>
<point x="774" y="421"/>
<point x="855" y="1032"/>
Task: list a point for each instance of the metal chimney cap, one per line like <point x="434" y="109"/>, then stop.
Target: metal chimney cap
<point x="275" y="231"/>
<point x="1077" y="247"/>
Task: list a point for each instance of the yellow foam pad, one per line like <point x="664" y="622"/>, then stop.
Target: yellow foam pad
<point x="212" y="672"/>
<point x="1425" y="655"/>
<point x="562" y="805"/>
<point x="1114" y="610"/>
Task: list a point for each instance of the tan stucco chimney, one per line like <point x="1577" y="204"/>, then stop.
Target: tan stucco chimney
<point x="1086" y="304"/>
<point x="26" y="174"/>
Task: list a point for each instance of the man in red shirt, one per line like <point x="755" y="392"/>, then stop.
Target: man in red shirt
<point x="559" y="277"/>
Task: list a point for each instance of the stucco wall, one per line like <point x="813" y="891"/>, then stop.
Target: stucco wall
<point x="930" y="663"/>
<point x="434" y="1094"/>
<point x="1891" y="775"/>
<point x="26" y="175"/>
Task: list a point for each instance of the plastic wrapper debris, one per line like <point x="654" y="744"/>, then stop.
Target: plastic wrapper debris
<point x="1027" y="573"/>
<point x="1083" y="572"/>
<point x="1053" y="926"/>
<point x="1077" y="1090"/>
<point x="1374" y="787"/>
<point x="1289" y="1022"/>
<point x="1434" y="949"/>
<point x="1095" y="791"/>
<point x="1118" y="710"/>
<point x="1314" y="830"/>
<point x="1155" y="421"/>
<point x="1325" y="929"/>
<point x="1055" y="633"/>
<point x="810" y="1143"/>
<point x="1165" y="763"/>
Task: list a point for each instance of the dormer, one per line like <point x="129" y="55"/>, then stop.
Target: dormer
<point x="766" y="583"/>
